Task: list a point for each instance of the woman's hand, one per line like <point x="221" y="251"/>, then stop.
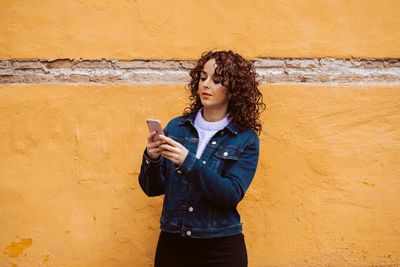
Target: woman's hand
<point x="172" y="150"/>
<point x="153" y="147"/>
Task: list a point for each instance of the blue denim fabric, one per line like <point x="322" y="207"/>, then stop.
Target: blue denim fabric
<point x="201" y="195"/>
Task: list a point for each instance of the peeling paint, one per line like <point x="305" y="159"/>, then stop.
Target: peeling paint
<point x="369" y="184"/>
<point x="14" y="250"/>
<point x="46" y="259"/>
<point x="269" y="70"/>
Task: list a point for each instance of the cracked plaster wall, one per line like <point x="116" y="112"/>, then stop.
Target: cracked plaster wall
<point x="327" y="189"/>
<point x="325" y="193"/>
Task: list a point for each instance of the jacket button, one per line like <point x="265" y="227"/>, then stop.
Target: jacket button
<point x="147" y="162"/>
<point x="213" y="142"/>
<point x="188" y="233"/>
<point x="226" y="153"/>
<point x="190" y="209"/>
<point x="178" y="171"/>
<point x="204" y="162"/>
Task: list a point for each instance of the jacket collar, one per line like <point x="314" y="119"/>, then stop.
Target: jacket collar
<point x="190" y="120"/>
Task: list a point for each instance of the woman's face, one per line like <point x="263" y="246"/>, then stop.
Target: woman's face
<point x="213" y="94"/>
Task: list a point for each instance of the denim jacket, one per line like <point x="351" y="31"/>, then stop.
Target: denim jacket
<point x="201" y="195"/>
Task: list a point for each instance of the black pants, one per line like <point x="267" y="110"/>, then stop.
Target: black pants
<point x="174" y="250"/>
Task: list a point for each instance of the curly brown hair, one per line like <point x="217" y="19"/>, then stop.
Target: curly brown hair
<point x="245" y="101"/>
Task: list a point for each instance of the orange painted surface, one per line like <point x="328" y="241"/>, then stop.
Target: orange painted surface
<point x="95" y="29"/>
<point x="326" y="191"/>
<point x="14" y="250"/>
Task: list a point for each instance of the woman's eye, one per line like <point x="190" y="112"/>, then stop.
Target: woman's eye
<point x="217" y="81"/>
<point x="203" y="79"/>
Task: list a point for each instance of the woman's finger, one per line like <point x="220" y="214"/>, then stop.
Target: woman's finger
<point x="150" y="136"/>
<point x="155" y="144"/>
<point x="169" y="148"/>
<point x="170" y="141"/>
<point x="157" y="150"/>
<point x="166" y="154"/>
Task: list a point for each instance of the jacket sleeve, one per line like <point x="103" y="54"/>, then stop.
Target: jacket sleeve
<point x="151" y="178"/>
<point x="228" y="190"/>
<point x="152" y="174"/>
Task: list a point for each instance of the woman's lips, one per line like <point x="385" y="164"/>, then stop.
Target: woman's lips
<point x="205" y="94"/>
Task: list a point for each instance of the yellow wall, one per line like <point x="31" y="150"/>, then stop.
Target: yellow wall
<point x="183" y="29"/>
<point x="327" y="188"/>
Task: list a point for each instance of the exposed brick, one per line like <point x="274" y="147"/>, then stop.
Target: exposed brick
<point x="79" y="78"/>
<point x="302" y="79"/>
<point x="23" y="72"/>
<point x="32" y="77"/>
<point x="182" y="77"/>
<point x="109" y="78"/>
<point x="8" y="79"/>
<point x="315" y="78"/>
<point x="62" y="78"/>
<point x="130" y="64"/>
<point x="372" y="64"/>
<point x="271" y="70"/>
<point x="309" y="78"/>
<point x="74" y="78"/>
<point x="393" y="63"/>
<point x="6" y="72"/>
<point x="302" y="64"/>
<point x="348" y="78"/>
<point x="172" y="65"/>
<point x="94" y="64"/>
<point x="5" y="64"/>
<point x="141" y="77"/>
<point x="331" y="62"/>
<point x="23" y="65"/>
<point x="188" y="64"/>
<point x="355" y="63"/>
<point x="324" y="78"/>
<point x="292" y="78"/>
<point x="145" y="64"/>
<point x="61" y="63"/>
<point x="281" y="77"/>
<point x="385" y="78"/>
<point x="269" y="63"/>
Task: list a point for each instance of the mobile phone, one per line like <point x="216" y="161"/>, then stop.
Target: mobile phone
<point x="155" y="125"/>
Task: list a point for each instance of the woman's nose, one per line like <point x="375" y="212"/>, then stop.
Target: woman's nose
<point x="206" y="83"/>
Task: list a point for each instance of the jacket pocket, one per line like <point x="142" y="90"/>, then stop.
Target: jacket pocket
<point x="226" y="156"/>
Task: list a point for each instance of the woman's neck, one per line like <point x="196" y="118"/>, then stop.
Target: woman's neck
<point x="212" y="115"/>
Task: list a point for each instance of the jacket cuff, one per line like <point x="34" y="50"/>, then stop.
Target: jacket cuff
<point x="149" y="160"/>
<point x="187" y="164"/>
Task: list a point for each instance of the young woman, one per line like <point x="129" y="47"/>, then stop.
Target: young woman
<point x="204" y="163"/>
